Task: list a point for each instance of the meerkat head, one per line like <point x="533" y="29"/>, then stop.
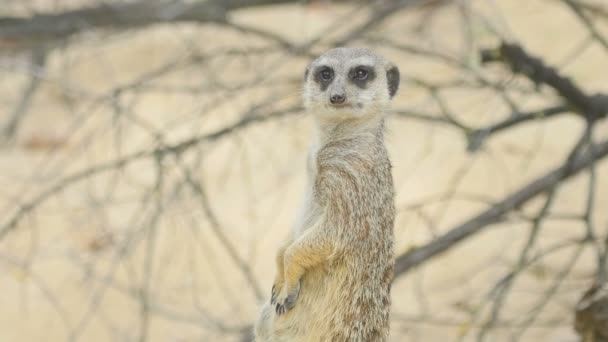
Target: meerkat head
<point x="347" y="82"/>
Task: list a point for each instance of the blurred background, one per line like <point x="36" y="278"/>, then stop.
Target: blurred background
<point x="152" y="159"/>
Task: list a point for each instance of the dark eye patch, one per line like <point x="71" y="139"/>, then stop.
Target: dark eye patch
<point x="361" y="75"/>
<point x="323" y="75"/>
<point x="392" y="76"/>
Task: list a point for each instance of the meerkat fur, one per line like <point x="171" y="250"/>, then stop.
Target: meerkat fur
<point x="334" y="272"/>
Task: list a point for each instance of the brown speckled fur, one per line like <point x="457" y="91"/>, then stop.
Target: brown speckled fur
<point x="341" y="249"/>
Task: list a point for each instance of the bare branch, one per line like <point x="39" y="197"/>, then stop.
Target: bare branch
<point x="577" y="8"/>
<point x="460" y="233"/>
<point x="477" y="136"/>
<point x="38" y="61"/>
<point x="591" y="107"/>
<point x="178" y="148"/>
<point x="20" y="33"/>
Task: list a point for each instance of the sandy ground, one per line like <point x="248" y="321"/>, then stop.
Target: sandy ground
<point x="95" y="262"/>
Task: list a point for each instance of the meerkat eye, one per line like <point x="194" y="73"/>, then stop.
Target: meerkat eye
<point x="326" y="74"/>
<point x="361" y="74"/>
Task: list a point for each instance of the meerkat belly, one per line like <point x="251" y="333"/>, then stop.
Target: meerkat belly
<point x="311" y="319"/>
<point x="354" y="303"/>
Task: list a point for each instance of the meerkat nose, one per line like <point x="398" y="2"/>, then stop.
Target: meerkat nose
<point x="337" y="99"/>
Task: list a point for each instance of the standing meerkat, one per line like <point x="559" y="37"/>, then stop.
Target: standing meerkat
<point x="335" y="270"/>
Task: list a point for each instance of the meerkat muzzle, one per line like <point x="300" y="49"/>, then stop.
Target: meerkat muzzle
<point x="337" y="99"/>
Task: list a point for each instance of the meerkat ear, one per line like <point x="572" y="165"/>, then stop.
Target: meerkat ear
<point x="392" y="77"/>
<point x="306" y="72"/>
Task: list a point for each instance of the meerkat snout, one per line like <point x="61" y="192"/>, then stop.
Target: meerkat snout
<point x="350" y="81"/>
<point x="337" y="99"/>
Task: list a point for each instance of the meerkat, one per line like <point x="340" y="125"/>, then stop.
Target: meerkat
<point x="335" y="270"/>
<point x="591" y="319"/>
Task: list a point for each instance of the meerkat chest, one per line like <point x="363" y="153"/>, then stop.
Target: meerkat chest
<point x="311" y="163"/>
<point x="309" y="210"/>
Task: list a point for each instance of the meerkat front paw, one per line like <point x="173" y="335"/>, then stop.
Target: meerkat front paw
<point x="287" y="299"/>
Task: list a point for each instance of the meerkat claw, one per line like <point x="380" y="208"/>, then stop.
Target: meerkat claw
<point x="289" y="302"/>
<point x="282" y="308"/>
<point x="273" y="295"/>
